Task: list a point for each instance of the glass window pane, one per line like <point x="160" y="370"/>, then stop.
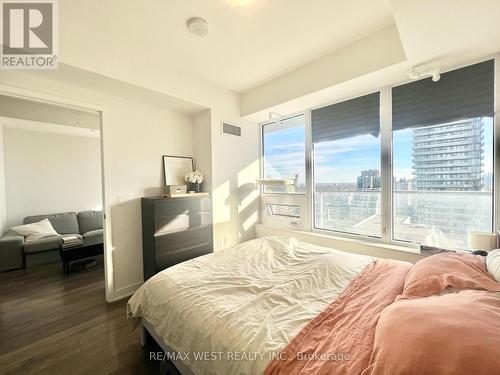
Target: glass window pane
<point x="284" y="155"/>
<point x="347" y="184"/>
<point x="443" y="182"/>
<point x="289" y="210"/>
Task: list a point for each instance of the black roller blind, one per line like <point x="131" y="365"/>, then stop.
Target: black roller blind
<point x="347" y="119"/>
<point x="459" y="94"/>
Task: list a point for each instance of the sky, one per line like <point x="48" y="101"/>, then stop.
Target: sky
<point x="285" y="152"/>
<point x="341" y="161"/>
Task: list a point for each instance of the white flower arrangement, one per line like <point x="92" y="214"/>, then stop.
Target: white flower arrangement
<point x="195" y="177"/>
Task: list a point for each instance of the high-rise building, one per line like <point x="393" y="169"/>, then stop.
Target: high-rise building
<point x="404" y="184"/>
<point x="449" y="156"/>
<point x="369" y="180"/>
<point x="447" y="165"/>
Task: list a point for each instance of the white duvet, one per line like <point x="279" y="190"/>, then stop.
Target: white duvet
<point x="244" y="303"/>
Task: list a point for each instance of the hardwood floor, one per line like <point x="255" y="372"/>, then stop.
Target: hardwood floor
<point x="56" y="324"/>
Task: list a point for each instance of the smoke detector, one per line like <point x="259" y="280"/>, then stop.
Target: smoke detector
<point x="197" y="26"/>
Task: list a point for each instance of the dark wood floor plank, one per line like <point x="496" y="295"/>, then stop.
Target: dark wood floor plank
<point x="55" y="324"/>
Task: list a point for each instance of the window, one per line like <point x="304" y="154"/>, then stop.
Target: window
<point x="288" y="210"/>
<point x="422" y="175"/>
<point x="443" y="157"/>
<point x="284" y="155"/>
<point x="347" y="180"/>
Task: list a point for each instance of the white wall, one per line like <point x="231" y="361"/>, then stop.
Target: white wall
<point x="234" y="159"/>
<point x="49" y="173"/>
<point x="3" y="209"/>
<point x="235" y="169"/>
<point x="135" y="138"/>
<point x="203" y="146"/>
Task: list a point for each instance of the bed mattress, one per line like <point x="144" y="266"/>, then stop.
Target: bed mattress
<point x="234" y="310"/>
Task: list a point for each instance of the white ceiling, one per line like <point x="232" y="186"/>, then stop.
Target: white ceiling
<point x="454" y="30"/>
<point x="246" y="46"/>
<point x="445" y="34"/>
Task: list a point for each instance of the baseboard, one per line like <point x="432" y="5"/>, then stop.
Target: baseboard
<point x="123" y="292"/>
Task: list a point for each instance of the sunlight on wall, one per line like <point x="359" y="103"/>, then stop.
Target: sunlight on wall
<point x="236" y="207"/>
<point x="222" y="209"/>
<point x="248" y="200"/>
<point x="252" y="220"/>
<point x="246" y="185"/>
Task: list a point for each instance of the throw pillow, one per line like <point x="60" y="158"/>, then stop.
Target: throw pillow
<point x="35" y="231"/>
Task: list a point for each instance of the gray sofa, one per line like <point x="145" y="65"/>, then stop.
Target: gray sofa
<point x="16" y="253"/>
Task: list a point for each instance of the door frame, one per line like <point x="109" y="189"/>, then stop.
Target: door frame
<point x="26" y="94"/>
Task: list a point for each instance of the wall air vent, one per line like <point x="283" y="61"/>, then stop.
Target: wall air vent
<point x="231" y="129"/>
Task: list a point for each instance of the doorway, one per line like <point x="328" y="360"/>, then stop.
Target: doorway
<point x="51" y="182"/>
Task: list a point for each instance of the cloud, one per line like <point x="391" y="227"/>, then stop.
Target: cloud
<point x="285" y="165"/>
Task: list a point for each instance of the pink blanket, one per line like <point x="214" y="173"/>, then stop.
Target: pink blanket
<point x="340" y="339"/>
<point x="458" y="332"/>
<point x="429" y="329"/>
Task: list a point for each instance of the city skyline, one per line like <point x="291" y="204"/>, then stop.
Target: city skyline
<point x="431" y="176"/>
<point x="341" y="161"/>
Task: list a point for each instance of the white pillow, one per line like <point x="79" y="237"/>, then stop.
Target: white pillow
<point x="493" y="263"/>
<point x="35" y="231"/>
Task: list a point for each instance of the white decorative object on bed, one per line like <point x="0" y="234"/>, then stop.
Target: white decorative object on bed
<point x="493" y="264"/>
<point x="482" y="240"/>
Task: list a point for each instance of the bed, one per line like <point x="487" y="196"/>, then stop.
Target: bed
<point x="279" y="306"/>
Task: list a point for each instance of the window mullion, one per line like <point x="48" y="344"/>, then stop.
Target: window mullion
<point x="386" y="163"/>
<point x="496" y="146"/>
<point x="308" y="220"/>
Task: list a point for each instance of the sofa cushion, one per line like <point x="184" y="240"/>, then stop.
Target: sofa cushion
<point x="42" y="244"/>
<point x="37" y="230"/>
<point x="92" y="237"/>
<point x="89" y="220"/>
<point x="63" y="223"/>
<point x="11" y="251"/>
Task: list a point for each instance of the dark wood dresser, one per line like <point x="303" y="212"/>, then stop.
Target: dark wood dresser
<point x="175" y="230"/>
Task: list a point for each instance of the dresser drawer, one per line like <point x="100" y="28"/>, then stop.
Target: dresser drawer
<point x="179" y="206"/>
<point x="168" y="224"/>
<point x="175" y="230"/>
<point x="172" y="241"/>
<point x="171" y="259"/>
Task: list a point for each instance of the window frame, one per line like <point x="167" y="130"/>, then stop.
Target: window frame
<point x="262" y="147"/>
<point x="332" y="232"/>
<point x="386" y="162"/>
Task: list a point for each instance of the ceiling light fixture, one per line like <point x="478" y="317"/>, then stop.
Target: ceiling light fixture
<point x="241" y="3"/>
<point x="197" y="26"/>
